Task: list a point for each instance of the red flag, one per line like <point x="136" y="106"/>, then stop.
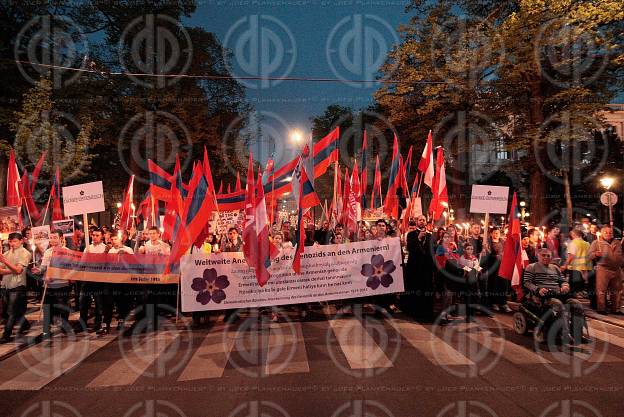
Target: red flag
<point x="173" y="208"/>
<point x="345" y="195"/>
<point x="250" y="243"/>
<point x="197" y="210"/>
<point x="229" y="189"/>
<point x="411" y="205"/>
<point x="391" y="208"/>
<point x="364" y="181"/>
<point x="303" y="190"/>
<point x="338" y="195"/>
<point x="325" y="152"/>
<point x="220" y="187"/>
<point x="376" y="196"/>
<point x="512" y="264"/>
<point x="25" y="188"/>
<point x="13" y="195"/>
<point x="408" y="164"/>
<point x="57" y="212"/>
<point x="440" y="193"/>
<point x="426" y="162"/>
<point x="126" y="210"/>
<point x="36" y="172"/>
<point x="354" y="208"/>
<point x="238" y="183"/>
<point x="160" y="181"/>
<point x="266" y="250"/>
<point x="403" y="181"/>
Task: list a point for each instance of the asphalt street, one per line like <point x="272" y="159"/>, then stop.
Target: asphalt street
<point x="330" y="365"/>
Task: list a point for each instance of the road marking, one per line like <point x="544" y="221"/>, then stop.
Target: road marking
<point x="210" y="358"/>
<point x="55" y="362"/>
<point x="127" y="370"/>
<point x="425" y="341"/>
<point x="287" y="351"/>
<point x="357" y="345"/>
<point x="510" y="351"/>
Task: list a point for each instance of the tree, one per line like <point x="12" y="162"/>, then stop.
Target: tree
<point x="512" y="69"/>
<point x="134" y="118"/>
<point x="40" y="127"/>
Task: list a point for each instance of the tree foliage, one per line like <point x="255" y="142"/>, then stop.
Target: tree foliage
<point x="524" y="73"/>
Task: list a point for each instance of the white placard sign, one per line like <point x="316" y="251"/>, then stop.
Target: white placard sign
<point x="328" y="272"/>
<point x="489" y="199"/>
<point x="83" y="198"/>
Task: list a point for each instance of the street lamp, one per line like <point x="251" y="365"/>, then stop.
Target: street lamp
<point x="607" y="182"/>
<point x="296" y="136"/>
<point x="522" y="211"/>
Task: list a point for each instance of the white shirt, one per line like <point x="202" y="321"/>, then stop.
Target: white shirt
<point x="101" y="248"/>
<point x="158" y="248"/>
<point x="123" y="249"/>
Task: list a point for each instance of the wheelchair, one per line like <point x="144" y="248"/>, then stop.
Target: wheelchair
<point x="535" y="317"/>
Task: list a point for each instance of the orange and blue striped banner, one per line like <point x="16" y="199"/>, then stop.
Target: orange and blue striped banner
<point x="71" y="265"/>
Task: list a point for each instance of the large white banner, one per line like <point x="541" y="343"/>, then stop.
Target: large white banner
<point x="83" y="198"/>
<point x="329" y="272"/>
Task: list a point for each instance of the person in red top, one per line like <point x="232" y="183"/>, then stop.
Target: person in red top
<point x="553" y="241"/>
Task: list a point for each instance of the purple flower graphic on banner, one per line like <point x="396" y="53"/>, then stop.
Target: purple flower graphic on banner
<point x="210" y="286"/>
<point x="378" y="272"/>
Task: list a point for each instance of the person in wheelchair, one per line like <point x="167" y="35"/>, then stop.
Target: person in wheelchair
<point x="550" y="289"/>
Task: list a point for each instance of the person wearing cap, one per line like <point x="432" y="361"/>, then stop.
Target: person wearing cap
<point x="13" y="264"/>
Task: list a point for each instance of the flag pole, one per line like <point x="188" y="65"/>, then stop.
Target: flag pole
<point x="24" y="204"/>
<point x="45" y="290"/>
<point x="45" y="213"/>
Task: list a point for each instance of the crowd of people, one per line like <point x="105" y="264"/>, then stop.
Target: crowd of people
<point x="450" y="272"/>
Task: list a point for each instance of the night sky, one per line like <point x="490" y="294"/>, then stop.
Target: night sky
<point x="360" y="35"/>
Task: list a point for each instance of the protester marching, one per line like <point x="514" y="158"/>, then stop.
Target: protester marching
<point x="232" y="251"/>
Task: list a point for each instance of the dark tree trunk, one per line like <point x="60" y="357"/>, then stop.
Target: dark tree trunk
<point x="538" y="180"/>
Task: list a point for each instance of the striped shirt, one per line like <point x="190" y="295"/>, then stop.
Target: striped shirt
<point x="538" y="276"/>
